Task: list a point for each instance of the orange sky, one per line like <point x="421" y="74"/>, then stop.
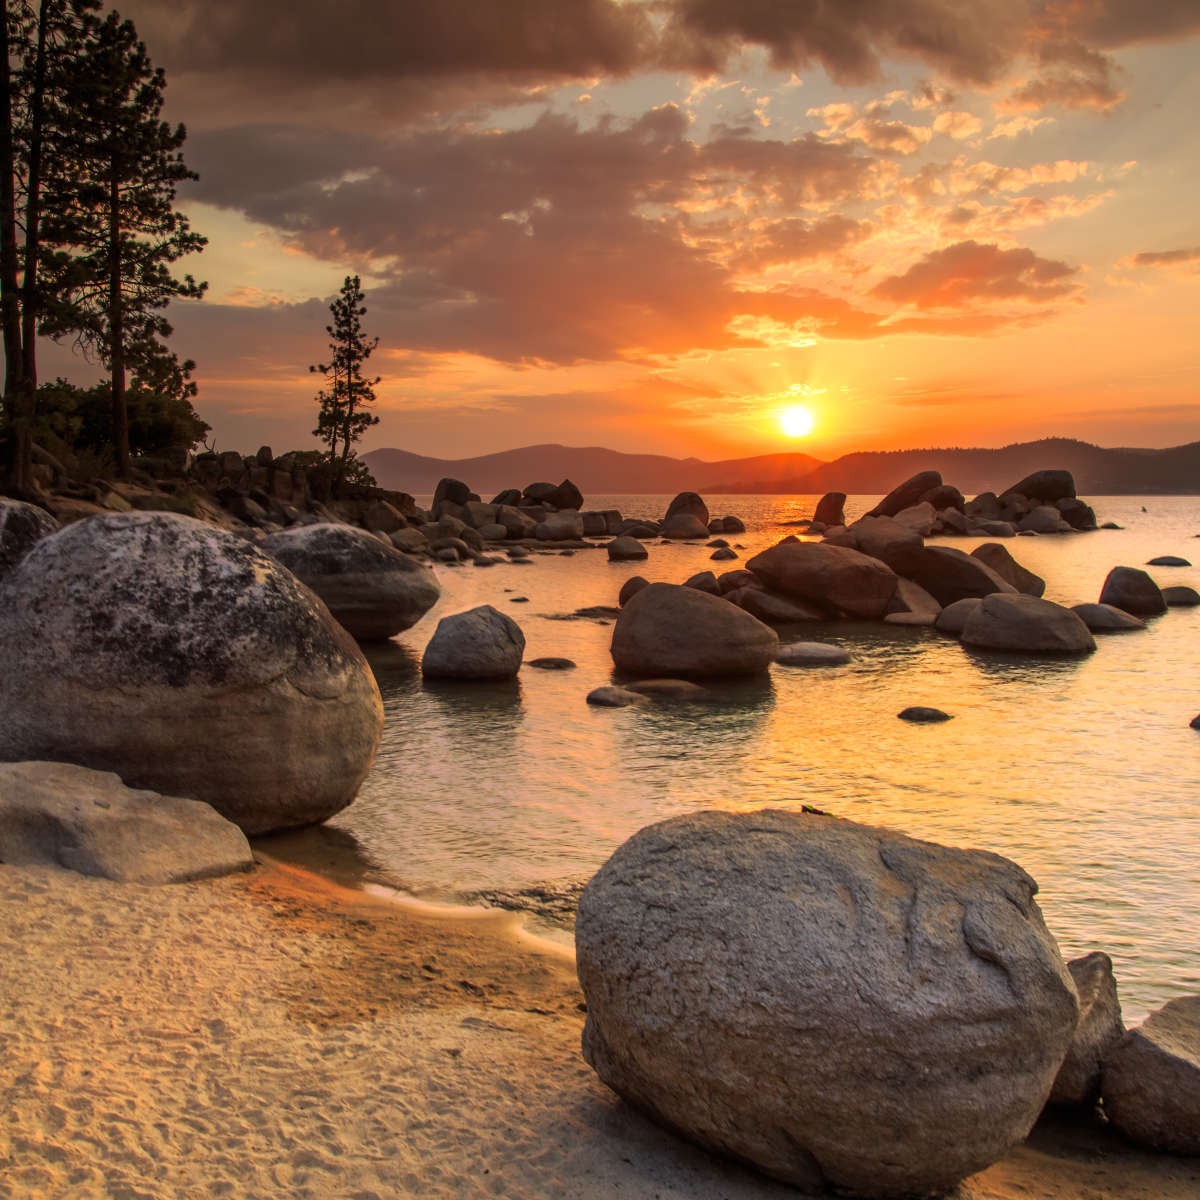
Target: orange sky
<point x="655" y="228"/>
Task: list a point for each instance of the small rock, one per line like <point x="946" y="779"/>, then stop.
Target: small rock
<point x="1181" y="596"/>
<point x="551" y="664"/>
<point x="680" y="689"/>
<point x="1195" y="722"/>
<point x="924" y="716"/>
<point x="626" y="549"/>
<point x="1134" y="591"/>
<point x="1168" y="560"/>
<point x="811" y="654"/>
<point x="614" y="697"/>
<point x="723" y="555"/>
<point x="704" y="581"/>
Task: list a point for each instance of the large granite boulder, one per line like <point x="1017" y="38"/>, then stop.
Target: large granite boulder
<point x="88" y="821"/>
<point x="1131" y="589"/>
<point x="948" y="574"/>
<point x="373" y="589"/>
<point x="1002" y="562"/>
<point x="1151" y="1080"/>
<point x="683" y="526"/>
<point x="453" y="490"/>
<point x="189" y="663"/>
<point x="910" y="492"/>
<point x="831" y="509"/>
<point x="886" y="539"/>
<point x="481" y="643"/>
<point x="1028" y="624"/>
<point x="1100" y="1028"/>
<point x="945" y="496"/>
<point x="22" y="526"/>
<point x="689" y="504"/>
<point x="837" y="579"/>
<point x="837" y="1004"/>
<point x="566" y="495"/>
<point x="631" y="587"/>
<point x="666" y="630"/>
<point x="1046" y="486"/>
<point x="920" y="518"/>
<point x="563" y="526"/>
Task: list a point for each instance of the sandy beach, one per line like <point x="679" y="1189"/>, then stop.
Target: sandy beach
<point x="276" y="1035"/>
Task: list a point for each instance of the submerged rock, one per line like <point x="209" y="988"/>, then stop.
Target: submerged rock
<point x="614" y="697"/>
<point x="90" y="822"/>
<point x="189" y="663"/>
<point x="811" y="654"/>
<point x="667" y="630"/>
<point x="836" y="1004"/>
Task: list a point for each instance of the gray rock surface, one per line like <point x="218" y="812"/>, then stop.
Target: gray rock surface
<point x="1151" y="1080"/>
<point x="22" y="526"/>
<point x="837" y="579"/>
<point x="836" y="1004"/>
<point x="811" y="654"/>
<point x="954" y="616"/>
<point x="1002" y="562"/>
<point x="88" y="821"/>
<point x="189" y="663"/>
<point x="374" y="590"/>
<point x="891" y="541"/>
<point x="1026" y="623"/>
<point x="614" y="697"/>
<point x="1100" y="1028"/>
<point x="481" y="643"/>
<point x="667" y="630"/>
<point x="1104" y="618"/>
<point x="1133" y="590"/>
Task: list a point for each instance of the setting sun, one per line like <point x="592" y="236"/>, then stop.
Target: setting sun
<point x="796" y="421"/>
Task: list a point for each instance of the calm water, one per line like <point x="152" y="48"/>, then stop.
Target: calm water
<point x="1084" y="771"/>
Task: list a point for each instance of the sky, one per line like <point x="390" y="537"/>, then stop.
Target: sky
<point x="661" y="226"/>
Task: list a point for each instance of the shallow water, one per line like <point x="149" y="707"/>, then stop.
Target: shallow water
<point x="1083" y="771"/>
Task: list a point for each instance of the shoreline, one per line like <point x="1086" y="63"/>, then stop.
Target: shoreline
<point x="278" y="1034"/>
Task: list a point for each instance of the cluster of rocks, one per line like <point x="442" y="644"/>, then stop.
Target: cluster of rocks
<point x="941" y="1021"/>
<point x="1044" y="502"/>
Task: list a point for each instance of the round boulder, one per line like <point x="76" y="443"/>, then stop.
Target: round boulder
<point x="689" y="504"/>
<point x="22" y="526"/>
<point x="1026" y="623"/>
<point x="481" y="643"/>
<point x="837" y="1004"/>
<point x="626" y="549"/>
<point x="631" y="587"/>
<point x="674" y="631"/>
<point x="188" y="662"/>
<point x="836" y="578"/>
<point x="372" y="589"/>
<point x="1151" y="1080"/>
<point x="682" y="526"/>
<point x="1133" y="590"/>
<point x="1104" y="618"/>
<point x="1181" y="596"/>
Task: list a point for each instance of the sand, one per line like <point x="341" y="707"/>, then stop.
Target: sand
<point x="275" y="1035"/>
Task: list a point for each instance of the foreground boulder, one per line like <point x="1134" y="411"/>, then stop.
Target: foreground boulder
<point x="373" y="589"/>
<point x="1100" y="1028"/>
<point x="1151" y="1080"/>
<point x="666" y="630"/>
<point x="1028" y="624"/>
<point x="837" y="579"/>
<point x="481" y="643"/>
<point x="88" y="821"/>
<point x="189" y="663"/>
<point x="1131" y="589"/>
<point x="22" y="526"/>
<point x="837" y="1004"/>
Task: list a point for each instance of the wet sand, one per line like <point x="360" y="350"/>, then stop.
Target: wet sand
<point x="277" y="1035"/>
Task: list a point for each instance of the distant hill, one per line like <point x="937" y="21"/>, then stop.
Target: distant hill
<point x="1097" y="471"/>
<point x="595" y="470"/>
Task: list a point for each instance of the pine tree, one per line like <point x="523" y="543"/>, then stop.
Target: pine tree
<point x="40" y="45"/>
<point x="342" y="415"/>
<point x="116" y="217"/>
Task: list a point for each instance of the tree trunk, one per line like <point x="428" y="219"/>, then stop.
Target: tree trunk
<point x="17" y="467"/>
<point x="116" y="329"/>
<point x="33" y="212"/>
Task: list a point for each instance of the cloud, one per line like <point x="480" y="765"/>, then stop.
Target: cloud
<point x="969" y="273"/>
<point x="1189" y="257"/>
<point x="958" y="125"/>
<point x="1069" y="75"/>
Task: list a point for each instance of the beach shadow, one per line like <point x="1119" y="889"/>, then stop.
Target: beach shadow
<point x="326" y="850"/>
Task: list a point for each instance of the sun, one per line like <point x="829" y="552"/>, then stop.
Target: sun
<point x="797" y="421"/>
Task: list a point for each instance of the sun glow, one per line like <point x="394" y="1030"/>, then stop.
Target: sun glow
<point x="796" y="421"/>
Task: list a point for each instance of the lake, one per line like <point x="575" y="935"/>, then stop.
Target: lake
<point x="1084" y="771"/>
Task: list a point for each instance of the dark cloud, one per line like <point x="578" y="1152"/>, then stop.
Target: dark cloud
<point x="1166" y="258"/>
<point x="970" y="272"/>
<point x="1069" y="75"/>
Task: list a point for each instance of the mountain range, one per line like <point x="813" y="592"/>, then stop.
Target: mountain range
<point x="596" y="470"/>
